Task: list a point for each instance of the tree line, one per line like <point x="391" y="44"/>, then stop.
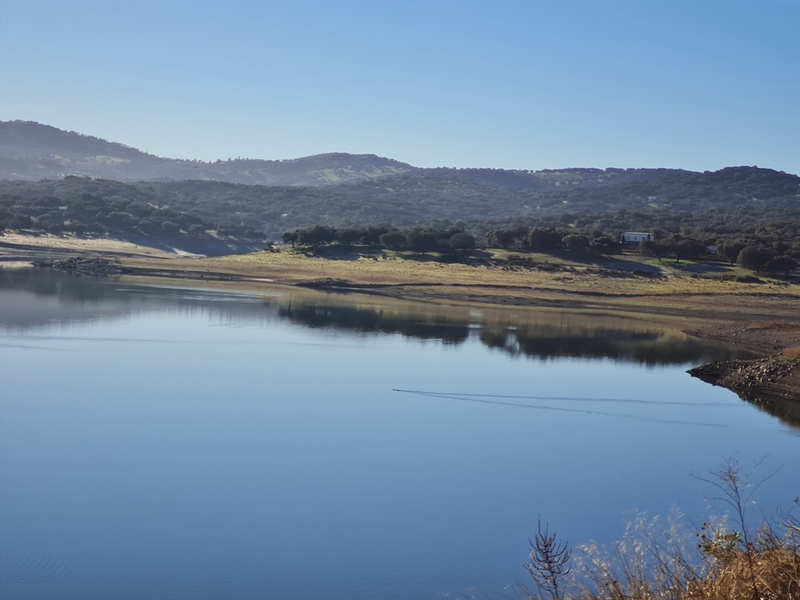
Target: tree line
<point x="82" y="212"/>
<point x="418" y="239"/>
<point x="759" y="253"/>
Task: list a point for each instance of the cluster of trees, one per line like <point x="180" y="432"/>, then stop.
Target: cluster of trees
<point x="760" y="258"/>
<point x="674" y="247"/>
<point x="709" y="227"/>
<point x="735" y="198"/>
<point x="540" y="239"/>
<point x="418" y="239"/>
<point x="762" y="252"/>
<point x="74" y="209"/>
<point x="580" y="210"/>
<point x="748" y="253"/>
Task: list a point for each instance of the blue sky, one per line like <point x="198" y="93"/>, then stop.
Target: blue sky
<point x="533" y="84"/>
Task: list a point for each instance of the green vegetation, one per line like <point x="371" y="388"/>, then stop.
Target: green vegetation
<point x="343" y="190"/>
<point x="764" y="254"/>
<point x="708" y="207"/>
<point x="582" y="211"/>
<point x="79" y="206"/>
<point x="418" y="239"/>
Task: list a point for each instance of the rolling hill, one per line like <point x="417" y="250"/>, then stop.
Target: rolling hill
<point x="32" y="151"/>
<point x="56" y="181"/>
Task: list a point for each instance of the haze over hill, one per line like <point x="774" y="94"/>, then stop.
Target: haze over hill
<point x="31" y="151"/>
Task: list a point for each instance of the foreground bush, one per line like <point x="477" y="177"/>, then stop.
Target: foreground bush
<point x="662" y="559"/>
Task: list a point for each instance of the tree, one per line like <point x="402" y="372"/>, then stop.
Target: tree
<point x="20" y="222"/>
<point x="576" y="243"/>
<point x="782" y="263"/>
<point x="731" y="250"/>
<point x="688" y="249"/>
<point x="461" y="241"/>
<point x="545" y="239"/>
<point x="422" y="240"/>
<point x="224" y="230"/>
<point x="657" y="249"/>
<point x="169" y="228"/>
<point x="604" y="245"/>
<point x="289" y="237"/>
<point x="501" y="238"/>
<point x="316" y="235"/>
<point x="394" y="240"/>
<point x="549" y="558"/>
<point x="349" y="236"/>
<point x="372" y="235"/>
<point x="197" y="230"/>
<point x="755" y="257"/>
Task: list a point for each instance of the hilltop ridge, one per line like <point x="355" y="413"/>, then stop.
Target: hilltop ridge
<point x="58" y="181"/>
<point x="32" y="151"/>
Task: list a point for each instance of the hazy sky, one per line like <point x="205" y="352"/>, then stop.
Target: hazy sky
<point x="532" y="84"/>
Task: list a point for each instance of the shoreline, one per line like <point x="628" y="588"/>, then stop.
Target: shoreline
<point x="764" y="319"/>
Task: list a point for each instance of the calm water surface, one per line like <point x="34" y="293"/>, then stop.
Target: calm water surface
<point x="185" y="443"/>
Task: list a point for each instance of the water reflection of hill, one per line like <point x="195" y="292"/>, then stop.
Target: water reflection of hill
<point x="31" y="298"/>
<point x="544" y="341"/>
<point x="40" y="297"/>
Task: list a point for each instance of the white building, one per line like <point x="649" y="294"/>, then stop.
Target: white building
<point x="634" y="238"/>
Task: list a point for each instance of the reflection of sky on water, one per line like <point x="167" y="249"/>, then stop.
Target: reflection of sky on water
<point x="179" y="448"/>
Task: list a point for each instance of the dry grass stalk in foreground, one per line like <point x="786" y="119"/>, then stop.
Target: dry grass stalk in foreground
<point x="654" y="561"/>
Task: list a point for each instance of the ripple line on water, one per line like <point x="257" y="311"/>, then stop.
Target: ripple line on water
<point x="566" y="398"/>
<point x="485" y="400"/>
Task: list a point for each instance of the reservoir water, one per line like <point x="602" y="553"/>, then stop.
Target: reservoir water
<point x="178" y="442"/>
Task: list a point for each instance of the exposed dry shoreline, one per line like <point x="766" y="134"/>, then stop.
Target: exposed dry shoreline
<point x="763" y="318"/>
<point x="776" y="376"/>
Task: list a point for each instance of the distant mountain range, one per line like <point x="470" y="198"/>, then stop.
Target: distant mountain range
<point x="31" y="151"/>
<point x="55" y="180"/>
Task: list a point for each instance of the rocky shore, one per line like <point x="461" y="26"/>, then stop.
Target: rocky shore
<point x="77" y="265"/>
<point x="772" y="383"/>
<point x="777" y="376"/>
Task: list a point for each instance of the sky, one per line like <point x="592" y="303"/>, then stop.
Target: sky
<point x="518" y="84"/>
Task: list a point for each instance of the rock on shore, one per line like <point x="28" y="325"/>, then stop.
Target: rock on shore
<point x="78" y="265"/>
<point x="777" y="376"/>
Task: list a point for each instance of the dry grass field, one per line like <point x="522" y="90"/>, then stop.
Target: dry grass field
<point x="620" y="285"/>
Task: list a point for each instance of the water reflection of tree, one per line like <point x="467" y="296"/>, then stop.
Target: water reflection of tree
<point x="371" y="321"/>
<point x="543" y="340"/>
<point x="539" y="341"/>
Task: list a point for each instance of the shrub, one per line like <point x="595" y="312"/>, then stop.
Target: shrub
<point x="662" y="558"/>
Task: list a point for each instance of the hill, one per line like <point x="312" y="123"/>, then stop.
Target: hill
<point x="745" y="196"/>
<point x="32" y="151"/>
<point x="122" y="190"/>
